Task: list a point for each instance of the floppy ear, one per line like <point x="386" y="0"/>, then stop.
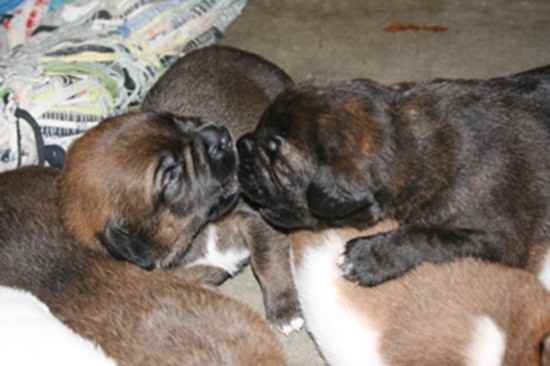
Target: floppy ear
<point x="122" y="244"/>
<point x="330" y="197"/>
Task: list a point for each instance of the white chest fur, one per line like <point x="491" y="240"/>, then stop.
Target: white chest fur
<point x="231" y="259"/>
<point x="344" y="337"/>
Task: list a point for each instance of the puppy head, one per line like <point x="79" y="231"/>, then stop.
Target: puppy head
<point x="143" y="184"/>
<point x="316" y="156"/>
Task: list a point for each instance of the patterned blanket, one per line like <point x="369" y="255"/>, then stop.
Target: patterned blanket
<point x="66" y="65"/>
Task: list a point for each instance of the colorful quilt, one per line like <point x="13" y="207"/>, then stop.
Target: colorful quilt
<point x="67" y="64"/>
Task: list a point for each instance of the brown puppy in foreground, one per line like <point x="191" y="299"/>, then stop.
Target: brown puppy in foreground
<point x="149" y="174"/>
<point x="465" y="312"/>
<point x="232" y="87"/>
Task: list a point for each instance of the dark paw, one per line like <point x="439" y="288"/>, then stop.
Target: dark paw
<point x="283" y="311"/>
<point x="371" y="261"/>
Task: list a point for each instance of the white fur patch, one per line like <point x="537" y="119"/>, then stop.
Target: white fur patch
<point x="343" y="336"/>
<point x="488" y="344"/>
<point x="230" y="260"/>
<point x="544" y="274"/>
<point x="294" y="325"/>
<point x="31" y="335"/>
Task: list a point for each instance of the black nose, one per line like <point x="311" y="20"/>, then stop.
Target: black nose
<point x="245" y="144"/>
<point x="217" y="139"/>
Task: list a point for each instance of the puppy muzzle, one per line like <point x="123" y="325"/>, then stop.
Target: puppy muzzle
<point x="221" y="151"/>
<point x="248" y="172"/>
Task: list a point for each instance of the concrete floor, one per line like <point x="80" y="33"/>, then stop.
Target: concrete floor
<point x="343" y="39"/>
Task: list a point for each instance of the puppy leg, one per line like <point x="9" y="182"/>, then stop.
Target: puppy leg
<point x="224" y="247"/>
<point x="270" y="258"/>
<point x="373" y="260"/>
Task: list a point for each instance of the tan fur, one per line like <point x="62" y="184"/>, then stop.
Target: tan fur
<point x="114" y="179"/>
<point x="155" y="319"/>
<point x="537" y="254"/>
<point x="426" y="317"/>
<point x="369" y="143"/>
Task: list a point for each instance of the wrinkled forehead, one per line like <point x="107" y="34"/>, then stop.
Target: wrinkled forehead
<point x="152" y="128"/>
<point x="132" y="139"/>
<point x="318" y="116"/>
<point x="167" y="124"/>
<point x="291" y="114"/>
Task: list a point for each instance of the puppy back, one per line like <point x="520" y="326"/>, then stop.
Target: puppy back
<point x="154" y="318"/>
<point x="221" y="84"/>
<point x="462" y="312"/>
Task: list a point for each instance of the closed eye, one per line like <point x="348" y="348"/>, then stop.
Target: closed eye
<point x="171" y="173"/>
<point x="168" y="177"/>
<point x="273" y="146"/>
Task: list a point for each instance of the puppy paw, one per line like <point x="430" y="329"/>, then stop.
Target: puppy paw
<point x="373" y="260"/>
<point x="283" y="312"/>
<point x="294" y="325"/>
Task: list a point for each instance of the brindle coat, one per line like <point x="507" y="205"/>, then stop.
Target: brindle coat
<point x="462" y="165"/>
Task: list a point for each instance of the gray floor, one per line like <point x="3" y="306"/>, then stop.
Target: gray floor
<point x="342" y="39"/>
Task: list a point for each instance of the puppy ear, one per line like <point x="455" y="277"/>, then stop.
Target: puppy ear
<point x="122" y="244"/>
<point x="329" y="197"/>
<point x="168" y="177"/>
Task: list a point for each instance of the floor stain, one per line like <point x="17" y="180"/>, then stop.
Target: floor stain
<point x="411" y="27"/>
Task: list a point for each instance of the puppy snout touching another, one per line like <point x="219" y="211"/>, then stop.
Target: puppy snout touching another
<point x="231" y="87"/>
<point x="245" y="144"/>
<point x="453" y="161"/>
<point x="218" y="142"/>
<point x="465" y="312"/>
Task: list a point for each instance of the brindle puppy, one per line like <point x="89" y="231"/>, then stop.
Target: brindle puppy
<point x="130" y="181"/>
<point x="233" y="87"/>
<point x="462" y="165"/>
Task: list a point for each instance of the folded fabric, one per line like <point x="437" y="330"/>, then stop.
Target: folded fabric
<point x="89" y="59"/>
<point x="30" y="335"/>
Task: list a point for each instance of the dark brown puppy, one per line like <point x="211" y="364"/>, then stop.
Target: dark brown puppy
<point x="232" y="87"/>
<point x="148" y="174"/>
<point x="462" y="165"/>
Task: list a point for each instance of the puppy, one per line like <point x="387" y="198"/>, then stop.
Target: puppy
<point x="232" y="87"/>
<point x="466" y="312"/>
<point x="460" y="164"/>
<point x="136" y="187"/>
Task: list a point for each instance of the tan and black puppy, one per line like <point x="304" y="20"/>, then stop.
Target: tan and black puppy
<point x="466" y="312"/>
<point x="462" y="165"/>
<point x="131" y="181"/>
<point x="232" y="88"/>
